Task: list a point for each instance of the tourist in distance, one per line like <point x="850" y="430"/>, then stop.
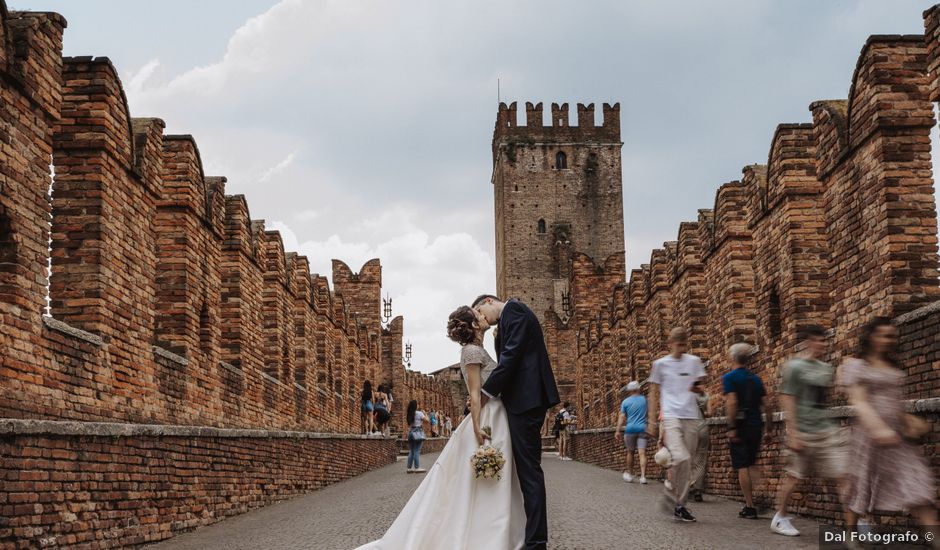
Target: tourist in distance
<point x="560" y="431"/>
<point x="366" y="408"/>
<point x="382" y="414"/>
<point x="416" y="422"/>
<point x="632" y="420"/>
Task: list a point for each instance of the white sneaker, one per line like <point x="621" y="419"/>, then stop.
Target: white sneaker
<point x="627" y="477"/>
<point x="668" y="484"/>
<point x="782" y="526"/>
<point x="642" y="480"/>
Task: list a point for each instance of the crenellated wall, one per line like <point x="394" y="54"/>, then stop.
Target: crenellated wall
<point x="166" y="305"/>
<point x="838" y="226"/>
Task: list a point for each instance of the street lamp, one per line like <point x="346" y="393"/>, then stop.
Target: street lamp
<point x="407" y="358"/>
<point x="386" y="310"/>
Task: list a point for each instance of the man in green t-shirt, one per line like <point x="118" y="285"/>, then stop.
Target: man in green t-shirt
<point x="815" y="442"/>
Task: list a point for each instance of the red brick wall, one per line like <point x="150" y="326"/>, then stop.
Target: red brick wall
<point x="192" y="312"/>
<point x="838" y="227"/>
<point x="169" y="304"/>
<point x="115" y="485"/>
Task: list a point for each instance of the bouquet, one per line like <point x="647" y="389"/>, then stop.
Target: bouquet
<point x="488" y="460"/>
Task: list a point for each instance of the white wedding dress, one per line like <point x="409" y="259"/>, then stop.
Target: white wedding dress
<point x="452" y="509"/>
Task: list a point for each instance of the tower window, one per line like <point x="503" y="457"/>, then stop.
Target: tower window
<point x="561" y="160"/>
<point x="541" y="227"/>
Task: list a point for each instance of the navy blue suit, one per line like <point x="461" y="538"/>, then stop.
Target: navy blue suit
<point x="524" y="382"/>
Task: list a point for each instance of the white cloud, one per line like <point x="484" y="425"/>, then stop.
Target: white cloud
<point x="426" y="276"/>
<point x="277" y="168"/>
<point x="392" y="106"/>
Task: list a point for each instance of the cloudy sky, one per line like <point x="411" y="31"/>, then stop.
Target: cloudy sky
<point x="362" y="129"/>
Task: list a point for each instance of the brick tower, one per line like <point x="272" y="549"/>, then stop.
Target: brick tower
<point x="558" y="192"/>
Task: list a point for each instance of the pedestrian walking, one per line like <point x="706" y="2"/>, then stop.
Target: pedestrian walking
<point x="889" y="472"/>
<point x="676" y="380"/>
<point x="448" y="426"/>
<point x="632" y="420"/>
<point x="814" y="441"/>
<point x="366" y="408"/>
<point x="416" y="421"/>
<point x="744" y="394"/>
<point x="700" y="460"/>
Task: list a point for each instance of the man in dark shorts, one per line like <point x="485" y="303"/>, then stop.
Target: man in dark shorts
<point x="744" y="394"/>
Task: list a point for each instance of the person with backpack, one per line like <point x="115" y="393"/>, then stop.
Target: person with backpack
<point x="560" y="433"/>
<point x="744" y="394"/>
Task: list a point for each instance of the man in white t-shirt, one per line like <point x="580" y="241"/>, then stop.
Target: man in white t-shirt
<point x="676" y="380"/>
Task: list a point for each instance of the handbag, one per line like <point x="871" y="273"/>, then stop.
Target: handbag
<point x="416" y="434"/>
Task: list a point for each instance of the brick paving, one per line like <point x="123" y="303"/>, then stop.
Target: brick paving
<point x="589" y="508"/>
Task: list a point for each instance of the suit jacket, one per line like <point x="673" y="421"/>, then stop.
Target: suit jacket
<point x="523" y="378"/>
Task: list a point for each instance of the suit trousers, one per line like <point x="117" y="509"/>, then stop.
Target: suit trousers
<point x="525" y="431"/>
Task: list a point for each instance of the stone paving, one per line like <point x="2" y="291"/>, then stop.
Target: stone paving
<point x="589" y="508"/>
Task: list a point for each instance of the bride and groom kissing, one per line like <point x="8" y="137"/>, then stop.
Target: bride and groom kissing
<point x="510" y="396"/>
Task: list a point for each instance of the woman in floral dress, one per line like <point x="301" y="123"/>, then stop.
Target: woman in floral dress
<point x="889" y="471"/>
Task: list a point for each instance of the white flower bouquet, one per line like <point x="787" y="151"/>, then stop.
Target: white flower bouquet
<point x="488" y="460"/>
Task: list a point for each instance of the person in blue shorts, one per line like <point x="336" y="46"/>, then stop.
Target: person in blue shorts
<point x="633" y="414"/>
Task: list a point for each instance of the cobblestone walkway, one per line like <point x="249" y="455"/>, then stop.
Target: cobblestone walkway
<point x="589" y="508"/>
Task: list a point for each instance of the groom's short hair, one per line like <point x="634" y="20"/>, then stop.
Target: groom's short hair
<point x="482" y="297"/>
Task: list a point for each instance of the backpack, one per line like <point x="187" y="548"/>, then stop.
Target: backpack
<point x="558" y="418"/>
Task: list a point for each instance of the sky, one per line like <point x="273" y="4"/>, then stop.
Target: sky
<point x="362" y="129"/>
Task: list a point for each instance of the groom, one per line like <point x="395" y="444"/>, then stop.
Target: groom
<point x="524" y="381"/>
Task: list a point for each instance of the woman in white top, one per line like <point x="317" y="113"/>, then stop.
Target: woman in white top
<point x="451" y="508"/>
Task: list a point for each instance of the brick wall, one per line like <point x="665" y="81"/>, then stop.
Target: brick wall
<point x="106" y="485"/>
<point x="185" y="310"/>
<point x="840" y="225"/>
<point x="167" y="305"/>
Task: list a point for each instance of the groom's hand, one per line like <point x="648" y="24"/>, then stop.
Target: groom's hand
<point x="483" y="398"/>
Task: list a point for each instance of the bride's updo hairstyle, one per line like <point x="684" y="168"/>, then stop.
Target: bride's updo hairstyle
<point x="460" y="327"/>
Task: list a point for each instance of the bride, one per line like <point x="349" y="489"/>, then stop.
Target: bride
<point x="451" y="508"/>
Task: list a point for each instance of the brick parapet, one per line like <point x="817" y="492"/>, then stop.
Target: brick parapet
<point x="839" y="225"/>
<point x="168" y="303"/>
<point x="61" y="489"/>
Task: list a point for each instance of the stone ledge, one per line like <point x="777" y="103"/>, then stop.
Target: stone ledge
<point x="918" y="313"/>
<point x="270" y="378"/>
<point x="167" y="354"/>
<point x="231" y="368"/>
<point x="299" y="387"/>
<point x="929" y="405"/>
<point x="15" y="426"/>
<point x="65" y="328"/>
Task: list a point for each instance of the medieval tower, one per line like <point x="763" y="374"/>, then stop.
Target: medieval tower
<point x="559" y="204"/>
